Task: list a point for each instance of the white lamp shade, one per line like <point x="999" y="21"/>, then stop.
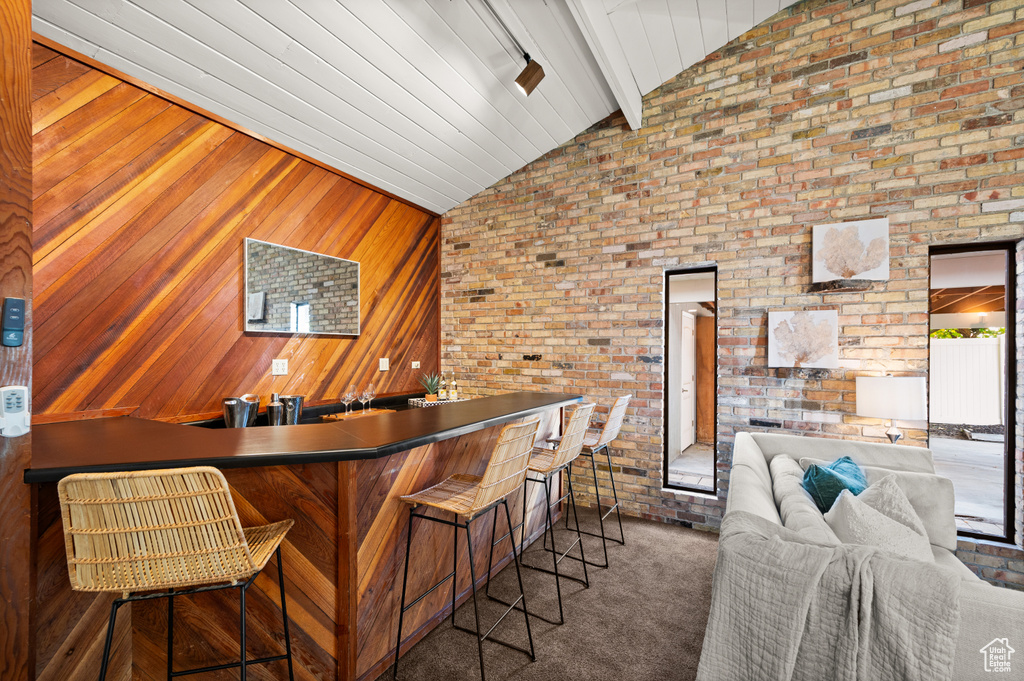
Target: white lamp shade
<point x="892" y="397"/>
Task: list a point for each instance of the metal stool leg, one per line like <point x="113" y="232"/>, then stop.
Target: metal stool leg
<point x="568" y="474"/>
<point x="600" y="512"/>
<point x="476" y="604"/>
<point x="490" y="554"/>
<point x="615" y="496"/>
<point x="405" y="580"/>
<point x="579" y="537"/>
<point x="519" y="576"/>
<point x="554" y="550"/>
<point x="284" y="616"/>
<point x="455" y="570"/>
<point x="110" y="638"/>
<point x="242" y="622"/>
<point x="170" y="637"/>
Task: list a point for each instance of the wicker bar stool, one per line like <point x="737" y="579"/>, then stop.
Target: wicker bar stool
<point x="592" y="444"/>
<point x="548" y="465"/>
<point x="167" y="533"/>
<point x="469" y="496"/>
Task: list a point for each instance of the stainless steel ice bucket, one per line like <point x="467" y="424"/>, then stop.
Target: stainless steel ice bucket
<point x="240" y="412"/>
<point x="292" y="408"/>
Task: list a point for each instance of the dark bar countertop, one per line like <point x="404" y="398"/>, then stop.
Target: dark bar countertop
<point x="128" y="444"/>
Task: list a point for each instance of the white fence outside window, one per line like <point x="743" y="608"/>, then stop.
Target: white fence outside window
<point x="967" y="380"/>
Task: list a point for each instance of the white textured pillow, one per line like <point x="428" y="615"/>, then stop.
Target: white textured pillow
<point x="931" y="496"/>
<point x="856" y="520"/>
<point x="889" y="499"/>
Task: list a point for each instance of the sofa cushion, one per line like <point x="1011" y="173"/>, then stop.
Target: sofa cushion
<point x="826" y="482"/>
<point x="900" y="457"/>
<point x="748" y="493"/>
<point x="796" y="508"/>
<point x="868" y="521"/>
<point x="931" y="496"/>
<point x="948" y="560"/>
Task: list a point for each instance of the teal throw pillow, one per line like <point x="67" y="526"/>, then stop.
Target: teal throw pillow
<point x="825" y="483"/>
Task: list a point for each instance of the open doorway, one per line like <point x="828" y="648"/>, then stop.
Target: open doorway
<point x="690" y="352"/>
<point x="971" y="376"/>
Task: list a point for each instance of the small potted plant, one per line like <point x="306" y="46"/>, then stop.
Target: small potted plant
<point x="430" y="382"/>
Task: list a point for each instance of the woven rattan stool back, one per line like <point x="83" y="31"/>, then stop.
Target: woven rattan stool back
<point x="507" y="468"/>
<point x="614" y="421"/>
<point x="572" y="440"/>
<point x="148" y="530"/>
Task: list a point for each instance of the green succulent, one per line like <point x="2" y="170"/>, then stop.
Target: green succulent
<point x="431" y="382"/>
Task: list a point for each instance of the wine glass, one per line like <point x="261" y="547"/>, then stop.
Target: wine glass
<point x="348" y="397"/>
<point x="369" y="392"/>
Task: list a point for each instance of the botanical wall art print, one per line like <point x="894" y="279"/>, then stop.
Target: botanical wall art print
<point x="851" y="250"/>
<point x="807" y="339"/>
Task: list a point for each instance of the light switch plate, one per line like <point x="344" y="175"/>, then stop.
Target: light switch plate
<point x="415" y="365"/>
<point x="385" y="364"/>
<point x="279" y="367"/>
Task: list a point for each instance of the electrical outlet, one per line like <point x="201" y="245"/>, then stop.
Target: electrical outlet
<point x="385" y="364"/>
<point x="415" y="365"/>
<point x="279" y="367"/>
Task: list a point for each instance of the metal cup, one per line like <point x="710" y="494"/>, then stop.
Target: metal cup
<point x="275" y="413"/>
<point x="292" y="408"/>
<point x="253" y="402"/>
<point x="236" y="412"/>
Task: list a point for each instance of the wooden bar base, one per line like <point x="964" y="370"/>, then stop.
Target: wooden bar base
<point x="340" y="563"/>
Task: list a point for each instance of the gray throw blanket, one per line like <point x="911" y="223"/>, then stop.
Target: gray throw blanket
<point x="783" y="608"/>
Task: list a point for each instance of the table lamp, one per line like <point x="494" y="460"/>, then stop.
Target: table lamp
<point x="892" y="397"/>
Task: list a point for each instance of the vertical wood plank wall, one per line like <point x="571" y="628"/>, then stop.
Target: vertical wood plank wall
<point x="16" y="576"/>
<point x="141" y="208"/>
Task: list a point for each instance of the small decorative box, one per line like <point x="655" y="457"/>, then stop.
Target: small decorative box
<point x="420" y="402"/>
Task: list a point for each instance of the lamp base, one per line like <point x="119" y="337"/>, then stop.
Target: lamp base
<point x="893" y="433"/>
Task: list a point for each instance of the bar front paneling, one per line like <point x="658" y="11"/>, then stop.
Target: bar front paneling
<point x="341" y="559"/>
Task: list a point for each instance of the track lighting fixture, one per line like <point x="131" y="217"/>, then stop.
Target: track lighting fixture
<point x="530" y="76"/>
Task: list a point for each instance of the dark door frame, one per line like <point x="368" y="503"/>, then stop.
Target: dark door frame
<point x="1009" y="249"/>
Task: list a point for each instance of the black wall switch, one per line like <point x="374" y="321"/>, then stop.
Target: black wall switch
<point x="14" y="322"/>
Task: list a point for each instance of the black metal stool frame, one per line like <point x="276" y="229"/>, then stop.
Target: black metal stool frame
<point x="557" y="557"/>
<point x="480" y="638"/>
<point x="169" y="595"/>
<point x="600" y="515"/>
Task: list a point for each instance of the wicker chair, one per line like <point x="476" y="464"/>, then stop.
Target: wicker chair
<point x="167" y="533"/>
<point x="468" y="497"/>
<point x="592" y="444"/>
<point x="547" y="465"/>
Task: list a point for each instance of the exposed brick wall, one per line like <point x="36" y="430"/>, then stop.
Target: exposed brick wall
<point x="829" y="111"/>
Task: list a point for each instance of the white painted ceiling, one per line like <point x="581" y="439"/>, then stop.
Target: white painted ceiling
<point x="416" y="97"/>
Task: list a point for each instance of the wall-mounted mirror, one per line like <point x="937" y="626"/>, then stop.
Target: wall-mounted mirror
<point x="288" y="290"/>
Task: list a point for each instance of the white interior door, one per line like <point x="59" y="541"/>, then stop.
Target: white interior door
<point x="687" y="414"/>
<point x="674" y="312"/>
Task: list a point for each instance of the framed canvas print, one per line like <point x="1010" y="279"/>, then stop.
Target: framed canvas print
<point x="851" y="250"/>
<point x="803" y="339"/>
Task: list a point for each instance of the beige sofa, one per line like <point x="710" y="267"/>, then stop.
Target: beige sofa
<point x="986" y="613"/>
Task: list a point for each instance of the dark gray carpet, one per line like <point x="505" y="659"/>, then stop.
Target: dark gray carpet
<point x="641" y="619"/>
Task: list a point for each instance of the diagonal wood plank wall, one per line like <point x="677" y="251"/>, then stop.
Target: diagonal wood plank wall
<point x="141" y="207"/>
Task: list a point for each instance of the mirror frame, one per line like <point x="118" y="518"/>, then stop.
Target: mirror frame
<point x="246" y="292"/>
